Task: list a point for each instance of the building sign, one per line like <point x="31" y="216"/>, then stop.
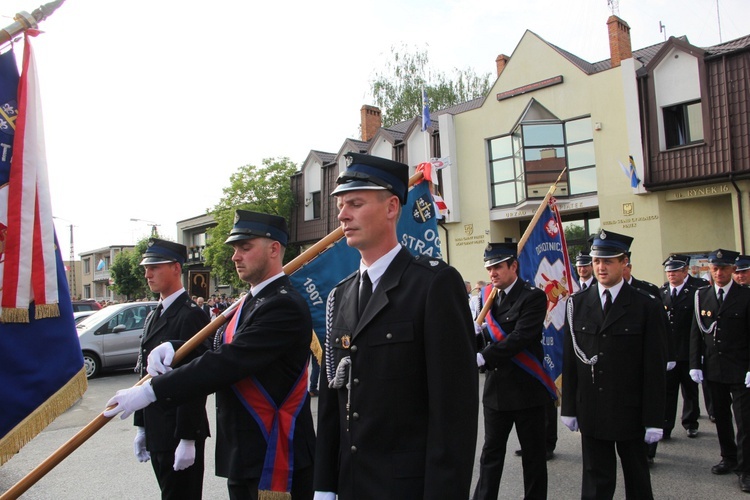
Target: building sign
<point x="549" y="82"/>
<point x="628" y="209"/>
<point x="629" y="222"/>
<point x="699" y="192"/>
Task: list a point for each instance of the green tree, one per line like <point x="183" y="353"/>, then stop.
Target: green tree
<point x="575" y="237"/>
<point x="264" y="189"/>
<point x="397" y="89"/>
<point x="127" y="273"/>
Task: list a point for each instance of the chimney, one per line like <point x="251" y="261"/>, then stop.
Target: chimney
<point x="371" y="122"/>
<point x="619" y="40"/>
<point x="501" y="61"/>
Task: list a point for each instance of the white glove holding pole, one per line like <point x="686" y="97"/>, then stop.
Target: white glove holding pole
<point x="570" y="422"/>
<point x="324" y="495"/>
<point x="160" y="359"/>
<point x="697" y="376"/>
<point x="671" y="365"/>
<point x="139" y="445"/>
<point x="130" y="400"/>
<point x="747" y="379"/>
<point x="184" y="455"/>
<point x="653" y="435"/>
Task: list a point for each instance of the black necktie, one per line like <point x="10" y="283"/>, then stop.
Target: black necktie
<point x="248" y="298"/>
<point x="501" y="297"/>
<point x="155" y="316"/>
<point x="365" y="292"/>
<point x="674" y="294"/>
<point x="583" y="285"/>
<point x="721" y="296"/>
<point x="607" y="302"/>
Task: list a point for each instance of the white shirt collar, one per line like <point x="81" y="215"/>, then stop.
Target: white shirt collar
<point x="725" y="288"/>
<point x="613" y="291"/>
<point x="167" y="301"/>
<point x="255" y="290"/>
<point x="377" y="269"/>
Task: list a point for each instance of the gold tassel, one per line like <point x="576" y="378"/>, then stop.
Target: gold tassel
<point x="40" y="418"/>
<point x="274" y="495"/>
<point x="316" y="349"/>
<point x="15" y="315"/>
<point x="47" y="311"/>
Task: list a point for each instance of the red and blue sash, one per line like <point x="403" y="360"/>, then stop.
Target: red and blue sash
<point x="276" y="423"/>
<point x="524" y="359"/>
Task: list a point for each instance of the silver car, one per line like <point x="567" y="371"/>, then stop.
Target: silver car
<point x="110" y="338"/>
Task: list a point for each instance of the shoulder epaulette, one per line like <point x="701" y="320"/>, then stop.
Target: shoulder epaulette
<point x="429" y="262"/>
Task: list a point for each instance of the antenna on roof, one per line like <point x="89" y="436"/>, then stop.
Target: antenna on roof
<point x="614" y="6"/>
<point x="663" y="29"/>
<point x="718" y="20"/>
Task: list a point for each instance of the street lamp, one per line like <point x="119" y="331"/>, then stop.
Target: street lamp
<point x="154" y="225"/>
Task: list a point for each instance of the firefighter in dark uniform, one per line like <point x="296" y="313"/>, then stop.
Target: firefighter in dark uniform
<point x="742" y="270"/>
<point x="397" y="412"/>
<point x="512" y="396"/>
<point x="720" y="354"/>
<point x="173" y="438"/>
<point x="585" y="270"/>
<point x="614" y="374"/>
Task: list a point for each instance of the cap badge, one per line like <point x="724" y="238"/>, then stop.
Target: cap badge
<point x="150" y="244"/>
<point x="489" y="247"/>
<point x="602" y="235"/>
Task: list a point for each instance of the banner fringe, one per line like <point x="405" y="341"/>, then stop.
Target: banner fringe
<point x="274" y="495"/>
<point x="40" y="418"/>
<point x="43" y="311"/>
<point x="316" y="349"/>
<point x="15" y="315"/>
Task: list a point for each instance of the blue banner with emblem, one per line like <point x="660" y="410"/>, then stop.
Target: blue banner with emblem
<point x="544" y="263"/>
<point x="417" y="231"/>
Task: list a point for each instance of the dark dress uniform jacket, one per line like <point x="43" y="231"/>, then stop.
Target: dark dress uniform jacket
<point x="272" y="343"/>
<point x="627" y="392"/>
<point x="414" y="388"/>
<point x="166" y="426"/>
<point x="680" y="314"/>
<point x="725" y="353"/>
<point x="521" y="316"/>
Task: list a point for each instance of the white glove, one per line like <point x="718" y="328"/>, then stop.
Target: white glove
<point x="477" y="328"/>
<point x="130" y="400"/>
<point x="324" y="495"/>
<point x="160" y="359"/>
<point x="671" y="365"/>
<point x="570" y="422"/>
<point x="480" y="360"/>
<point x="184" y="455"/>
<point x="697" y="376"/>
<point x="653" y="435"/>
<point x="139" y="445"/>
<point x="747" y="379"/>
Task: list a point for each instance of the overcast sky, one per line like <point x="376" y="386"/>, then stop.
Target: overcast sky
<point x="149" y="106"/>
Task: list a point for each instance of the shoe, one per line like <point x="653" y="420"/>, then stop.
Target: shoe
<point x="712" y="418"/>
<point x="518" y="453"/>
<point x="723" y="467"/>
<point x="745" y="483"/>
<point x="650" y="461"/>
<point x="666" y="436"/>
<point x="691" y="433"/>
<point x="550" y="455"/>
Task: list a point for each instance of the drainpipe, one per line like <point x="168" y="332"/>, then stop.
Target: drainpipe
<point x="446" y="256"/>
<point x="739" y="209"/>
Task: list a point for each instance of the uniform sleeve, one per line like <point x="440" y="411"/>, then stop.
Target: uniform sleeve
<point x="191" y="414"/>
<point x="527" y="330"/>
<point x="654" y="366"/>
<point x="453" y="394"/>
<point x="569" y="372"/>
<point x="696" y="344"/>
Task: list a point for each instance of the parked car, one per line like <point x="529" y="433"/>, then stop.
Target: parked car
<point x="110" y="338"/>
<point x="81" y="315"/>
<point x="86" y="305"/>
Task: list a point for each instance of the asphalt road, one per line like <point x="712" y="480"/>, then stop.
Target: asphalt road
<point x="104" y="466"/>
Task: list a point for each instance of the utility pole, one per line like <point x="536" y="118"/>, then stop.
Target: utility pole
<point x="154" y="225"/>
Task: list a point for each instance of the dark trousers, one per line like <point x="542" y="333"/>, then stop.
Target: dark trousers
<point x="600" y="469"/>
<point x="247" y="488"/>
<point x="736" y="397"/>
<point x="530" y="423"/>
<point x="314" y="374"/>
<point x="707" y="398"/>
<point x="679" y="379"/>
<point x="550" y="426"/>
<point x="183" y="484"/>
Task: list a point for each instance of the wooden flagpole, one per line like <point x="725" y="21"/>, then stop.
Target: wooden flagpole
<point x="24" y="21"/>
<point x="100" y="420"/>
<point x="521" y="244"/>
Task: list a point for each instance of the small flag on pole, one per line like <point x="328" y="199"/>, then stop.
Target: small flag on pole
<point x="100" y="265"/>
<point x="425" y="111"/>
